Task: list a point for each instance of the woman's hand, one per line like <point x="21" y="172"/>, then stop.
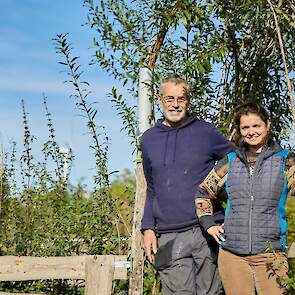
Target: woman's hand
<point x="216" y="231"/>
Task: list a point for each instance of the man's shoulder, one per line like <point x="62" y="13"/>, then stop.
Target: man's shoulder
<point x="201" y="124"/>
<point x="148" y="133"/>
<point x="148" y="136"/>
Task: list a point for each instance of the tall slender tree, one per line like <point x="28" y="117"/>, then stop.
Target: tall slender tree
<point x="228" y="50"/>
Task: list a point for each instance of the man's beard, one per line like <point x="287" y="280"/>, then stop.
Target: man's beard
<point x="169" y="117"/>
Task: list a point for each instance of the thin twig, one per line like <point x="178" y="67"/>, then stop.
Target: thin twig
<point x="119" y="236"/>
<point x="154" y="289"/>
<point x="284" y="60"/>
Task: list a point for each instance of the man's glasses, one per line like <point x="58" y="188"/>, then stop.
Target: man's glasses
<point x="170" y="99"/>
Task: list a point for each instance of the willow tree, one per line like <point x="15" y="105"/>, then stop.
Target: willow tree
<point x="228" y="50"/>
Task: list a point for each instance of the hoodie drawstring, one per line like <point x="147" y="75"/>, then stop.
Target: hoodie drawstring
<point x="175" y="145"/>
<point x="174" y="148"/>
<point x="165" y="151"/>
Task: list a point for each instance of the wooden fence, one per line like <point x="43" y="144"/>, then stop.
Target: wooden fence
<point x="98" y="271"/>
<point x="291" y="252"/>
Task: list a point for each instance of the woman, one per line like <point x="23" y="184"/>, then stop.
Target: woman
<point x="257" y="177"/>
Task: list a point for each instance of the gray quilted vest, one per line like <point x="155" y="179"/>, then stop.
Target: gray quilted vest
<point x="255" y="216"/>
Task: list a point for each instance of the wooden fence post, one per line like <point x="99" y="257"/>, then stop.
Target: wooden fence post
<point x="291" y="252"/>
<point x="136" y="278"/>
<point x="144" y="114"/>
<point x="99" y="272"/>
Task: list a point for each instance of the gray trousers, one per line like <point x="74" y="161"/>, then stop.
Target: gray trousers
<point x="186" y="264"/>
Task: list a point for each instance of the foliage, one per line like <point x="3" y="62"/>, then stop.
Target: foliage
<point x="87" y="109"/>
<point x="46" y="216"/>
<point x="67" y="223"/>
<point x="63" y="223"/>
<point x="126" y="113"/>
<point x="277" y="267"/>
<point x="52" y="150"/>
<point x="228" y="51"/>
<point x="290" y="206"/>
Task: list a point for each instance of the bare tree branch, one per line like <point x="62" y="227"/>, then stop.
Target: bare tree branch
<point x="292" y="105"/>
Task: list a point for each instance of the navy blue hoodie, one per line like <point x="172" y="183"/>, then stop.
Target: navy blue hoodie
<point x="175" y="162"/>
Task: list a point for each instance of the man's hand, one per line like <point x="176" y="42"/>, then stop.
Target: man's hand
<point x="215" y="232"/>
<point x="150" y="244"/>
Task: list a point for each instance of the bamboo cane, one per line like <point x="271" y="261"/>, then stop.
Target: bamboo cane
<point x="278" y="30"/>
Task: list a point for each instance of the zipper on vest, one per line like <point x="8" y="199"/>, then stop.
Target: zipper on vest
<point x="250" y="173"/>
<point x="250" y="223"/>
<point x="251" y="206"/>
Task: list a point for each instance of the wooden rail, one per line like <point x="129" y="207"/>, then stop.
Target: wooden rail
<point x="291" y="252"/>
<point x="98" y="271"/>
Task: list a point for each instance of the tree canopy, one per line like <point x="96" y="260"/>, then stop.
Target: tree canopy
<point x="227" y="49"/>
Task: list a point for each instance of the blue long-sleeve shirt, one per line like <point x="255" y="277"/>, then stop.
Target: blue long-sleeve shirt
<point x="175" y="162"/>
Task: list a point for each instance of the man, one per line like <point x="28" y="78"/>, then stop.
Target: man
<point x="177" y="155"/>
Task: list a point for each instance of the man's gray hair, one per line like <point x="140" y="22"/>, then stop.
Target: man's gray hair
<point x="176" y="81"/>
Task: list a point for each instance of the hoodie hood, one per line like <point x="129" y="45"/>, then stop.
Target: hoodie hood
<point x="189" y="120"/>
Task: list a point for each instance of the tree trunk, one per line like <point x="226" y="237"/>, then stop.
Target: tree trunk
<point x="136" y="279"/>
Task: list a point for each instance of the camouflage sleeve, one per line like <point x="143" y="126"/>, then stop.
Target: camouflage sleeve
<point x="290" y="173"/>
<point x="213" y="183"/>
<point x="203" y="207"/>
<point x="210" y="188"/>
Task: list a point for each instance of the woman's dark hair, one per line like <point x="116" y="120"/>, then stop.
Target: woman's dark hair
<point x="250" y="108"/>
